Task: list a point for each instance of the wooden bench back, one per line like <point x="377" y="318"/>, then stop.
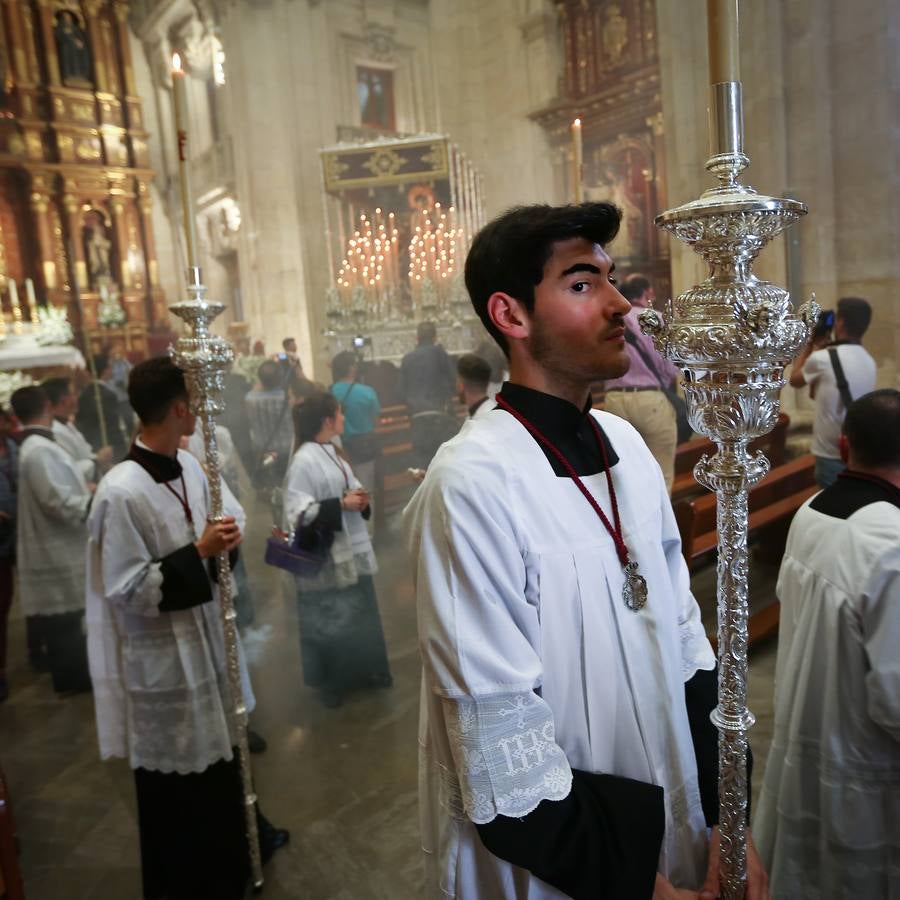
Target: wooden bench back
<point x="688" y="454"/>
<point x="783" y="490"/>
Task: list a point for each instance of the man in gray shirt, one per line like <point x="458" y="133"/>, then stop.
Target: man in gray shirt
<point x="428" y="379"/>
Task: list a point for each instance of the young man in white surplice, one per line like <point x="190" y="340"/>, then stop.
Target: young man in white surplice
<point x="52" y="506"/>
<point x="828" y="814"/>
<point x="566" y="742"/>
<point x="157" y="655"/>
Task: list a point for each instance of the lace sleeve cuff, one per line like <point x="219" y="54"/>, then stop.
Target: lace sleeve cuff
<point x="696" y="651"/>
<point x="506" y="756"/>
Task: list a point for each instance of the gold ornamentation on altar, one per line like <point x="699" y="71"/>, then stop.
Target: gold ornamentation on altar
<point x="384" y="163"/>
<point x="34" y="147"/>
<point x="88" y="149"/>
<point x="614" y="36"/>
<point x="83" y="112"/>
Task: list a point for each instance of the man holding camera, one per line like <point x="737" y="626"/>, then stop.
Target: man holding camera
<point x="837" y="371"/>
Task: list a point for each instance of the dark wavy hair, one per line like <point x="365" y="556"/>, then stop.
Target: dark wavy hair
<point x="872" y="426"/>
<point x="310" y="415"/>
<point x="510" y="253"/>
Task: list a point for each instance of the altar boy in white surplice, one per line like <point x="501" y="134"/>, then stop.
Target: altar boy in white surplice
<point x="156" y="649"/>
<point x="566" y="744"/>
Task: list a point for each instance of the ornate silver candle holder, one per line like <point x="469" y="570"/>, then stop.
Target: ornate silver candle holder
<point x="205" y="359"/>
<point x="732" y="337"/>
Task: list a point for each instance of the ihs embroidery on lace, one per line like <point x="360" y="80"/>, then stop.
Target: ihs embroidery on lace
<point x="507" y="759"/>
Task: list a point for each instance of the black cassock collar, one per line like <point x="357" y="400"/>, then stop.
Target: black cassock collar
<point x="159" y="467"/>
<point x="567" y="426"/>
<point x="851" y="492"/>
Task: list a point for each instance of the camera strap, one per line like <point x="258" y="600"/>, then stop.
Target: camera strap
<point x="839" y="377"/>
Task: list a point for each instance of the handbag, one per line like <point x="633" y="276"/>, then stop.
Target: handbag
<point x="303" y="552"/>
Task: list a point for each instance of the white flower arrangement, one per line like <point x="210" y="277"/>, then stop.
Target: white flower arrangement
<point x="10" y="382"/>
<point x="53" y="326"/>
<point x="110" y="313"/>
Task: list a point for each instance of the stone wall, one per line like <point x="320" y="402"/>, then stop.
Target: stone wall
<point x="821" y="92"/>
<point x="822" y="119"/>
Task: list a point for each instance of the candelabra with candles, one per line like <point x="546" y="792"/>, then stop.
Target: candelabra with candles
<point x="368" y="280"/>
<point x="432" y="259"/>
<point x="205" y="359"/>
<point x="732" y="336"/>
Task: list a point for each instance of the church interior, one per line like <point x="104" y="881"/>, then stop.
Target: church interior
<point x="327" y="164"/>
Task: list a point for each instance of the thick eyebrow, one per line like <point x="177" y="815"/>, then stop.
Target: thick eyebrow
<point x="580" y="267"/>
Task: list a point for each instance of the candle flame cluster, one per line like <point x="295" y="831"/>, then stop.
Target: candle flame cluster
<point x="371" y="254"/>
<point x="432" y="247"/>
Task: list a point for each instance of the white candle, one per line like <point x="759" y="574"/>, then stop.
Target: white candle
<point x="577" y="162"/>
<point x="179" y="104"/>
<point x="724" y="51"/>
<point x="16" y="309"/>
<point x="31" y="299"/>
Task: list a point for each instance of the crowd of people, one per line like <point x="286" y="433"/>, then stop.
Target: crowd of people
<point x="549" y="583"/>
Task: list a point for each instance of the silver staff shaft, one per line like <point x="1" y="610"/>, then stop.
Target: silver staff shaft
<point x="732" y="336"/>
<point x="205" y="358"/>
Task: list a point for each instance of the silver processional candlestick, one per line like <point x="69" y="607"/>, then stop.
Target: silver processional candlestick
<point x="732" y="337"/>
<point x="205" y="359"/>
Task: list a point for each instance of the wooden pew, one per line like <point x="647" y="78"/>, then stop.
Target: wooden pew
<point x="393" y="484"/>
<point x="11" y="886"/>
<point x="772" y="504"/>
<point x="688" y="454"/>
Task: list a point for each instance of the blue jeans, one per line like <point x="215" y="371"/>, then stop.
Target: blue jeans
<point x="827" y="471"/>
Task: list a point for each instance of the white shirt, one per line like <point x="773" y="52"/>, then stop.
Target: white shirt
<point x="51" y="533"/>
<point x="317" y="472"/>
<point x="75" y="444"/>
<point x="859" y="370"/>
<point x="484" y="409"/>
<point x="828" y="816"/>
<point x="524" y="634"/>
<point x="160" y="679"/>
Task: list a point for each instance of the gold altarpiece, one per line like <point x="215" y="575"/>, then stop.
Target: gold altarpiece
<point x="610" y="80"/>
<point x="75" y="196"/>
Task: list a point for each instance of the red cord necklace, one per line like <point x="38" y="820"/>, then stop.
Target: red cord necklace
<point x="182" y="498"/>
<point x="634" y="591"/>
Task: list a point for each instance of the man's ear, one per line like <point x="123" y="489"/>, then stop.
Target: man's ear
<point x="844" y="448"/>
<point x="509" y="316"/>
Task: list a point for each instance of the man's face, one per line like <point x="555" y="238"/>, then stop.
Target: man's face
<point x="290" y="347"/>
<point x="577" y="329"/>
<point x="69" y="403"/>
<point x="647" y="299"/>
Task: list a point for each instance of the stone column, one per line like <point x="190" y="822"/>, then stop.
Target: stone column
<point x="157" y="311"/>
<point x="120" y="240"/>
<point x="101" y="75"/>
<point x="40" y="204"/>
<point x="45" y="12"/>
<point x="72" y="208"/>
<point x="120" y="10"/>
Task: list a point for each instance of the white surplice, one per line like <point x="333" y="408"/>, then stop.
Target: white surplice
<point x="51" y="533"/>
<point x="533" y="665"/>
<point x="160" y="678"/>
<point x="828" y="820"/>
<point x="75" y="444"/>
<point x="316" y="473"/>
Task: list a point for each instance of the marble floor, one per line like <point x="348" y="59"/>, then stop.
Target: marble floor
<point x="342" y="780"/>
